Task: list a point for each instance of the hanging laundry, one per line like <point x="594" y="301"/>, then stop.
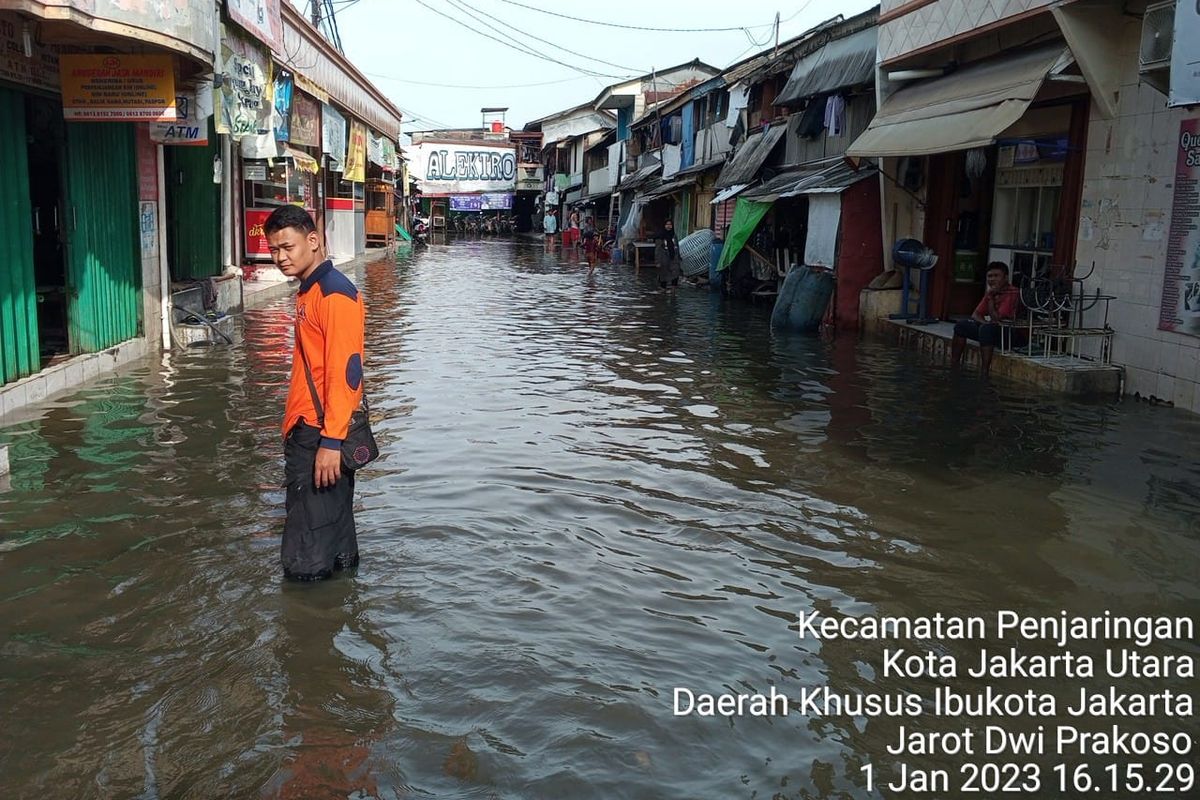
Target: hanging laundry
<point x="835" y="114"/>
<point x="739" y="98"/>
<point x="811" y="121"/>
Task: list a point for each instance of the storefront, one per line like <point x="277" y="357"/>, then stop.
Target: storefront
<point x="994" y="152"/>
<point x="271" y="183"/>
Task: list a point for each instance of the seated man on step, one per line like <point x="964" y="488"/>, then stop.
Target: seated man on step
<point x="1000" y="303"/>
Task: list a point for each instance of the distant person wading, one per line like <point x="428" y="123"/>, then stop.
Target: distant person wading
<point x="666" y="257"/>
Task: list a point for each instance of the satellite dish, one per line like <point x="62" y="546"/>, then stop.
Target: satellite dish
<point x="913" y="254"/>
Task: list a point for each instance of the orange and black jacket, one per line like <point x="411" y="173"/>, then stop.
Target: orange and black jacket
<point x="329" y="325"/>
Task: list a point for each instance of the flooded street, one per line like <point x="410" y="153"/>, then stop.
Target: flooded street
<point x="590" y="494"/>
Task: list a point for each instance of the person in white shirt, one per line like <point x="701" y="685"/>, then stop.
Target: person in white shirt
<point x="550" y="227"/>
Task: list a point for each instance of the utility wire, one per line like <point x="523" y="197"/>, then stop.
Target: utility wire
<point x="627" y="27"/>
<point x="518" y="48"/>
<point x="470" y="86"/>
<point x="468" y="9"/>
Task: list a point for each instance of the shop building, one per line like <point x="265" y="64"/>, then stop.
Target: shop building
<point x="83" y="192"/>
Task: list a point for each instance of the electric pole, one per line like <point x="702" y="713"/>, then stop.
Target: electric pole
<point x="776" y="50"/>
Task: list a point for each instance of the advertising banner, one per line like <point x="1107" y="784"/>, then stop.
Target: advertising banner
<point x="305" y="124"/>
<point x="375" y="149"/>
<point x="256" y="240"/>
<point x="466" y="202"/>
<point x="245" y="107"/>
<point x="356" y="154"/>
<point x="1185" y="56"/>
<point x="494" y="201"/>
<point x="442" y="168"/>
<point x="1180" y="308"/>
<point x="333" y="136"/>
<point x="283" y="104"/>
<point x="259" y="17"/>
<point x="118" y="87"/>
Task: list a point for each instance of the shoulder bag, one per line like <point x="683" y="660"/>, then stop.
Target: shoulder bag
<point x="359" y="447"/>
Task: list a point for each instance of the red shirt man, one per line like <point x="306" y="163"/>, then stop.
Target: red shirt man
<point x="1000" y="303"/>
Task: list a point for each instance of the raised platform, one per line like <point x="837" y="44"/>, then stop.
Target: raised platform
<point x="1056" y="373"/>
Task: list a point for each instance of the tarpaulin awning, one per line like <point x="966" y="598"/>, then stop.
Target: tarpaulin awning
<point x="750" y="157"/>
<point x="696" y="169"/>
<point x="746" y="216"/>
<point x="840" y="64"/>
<point x="967" y="108"/>
<point x="827" y="177"/>
<point x="726" y="194"/>
<point x="638" y="178"/>
<point x="302" y="160"/>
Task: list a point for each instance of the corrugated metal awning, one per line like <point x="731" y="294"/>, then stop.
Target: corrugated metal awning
<point x="728" y="194"/>
<point x="749" y="158"/>
<point x="824" y="177"/>
<point x="696" y="169"/>
<point x="638" y="178"/>
<point x="840" y="64"/>
<point x="967" y="108"/>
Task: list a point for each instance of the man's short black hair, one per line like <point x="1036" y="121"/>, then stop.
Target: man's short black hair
<point x="289" y="217"/>
<point x="1000" y="265"/>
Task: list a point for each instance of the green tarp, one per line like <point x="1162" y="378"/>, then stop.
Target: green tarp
<point x="746" y="216"/>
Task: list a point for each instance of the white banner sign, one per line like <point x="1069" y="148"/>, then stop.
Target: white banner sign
<point x="1185" y="59"/>
<point x="465" y="168"/>
<point x="191" y="128"/>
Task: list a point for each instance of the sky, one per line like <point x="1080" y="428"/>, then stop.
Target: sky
<point x="430" y="63"/>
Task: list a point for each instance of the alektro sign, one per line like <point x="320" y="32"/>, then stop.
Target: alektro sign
<point x="443" y="168"/>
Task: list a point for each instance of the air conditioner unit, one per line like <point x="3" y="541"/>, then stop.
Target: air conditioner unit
<point x="1158" y="39"/>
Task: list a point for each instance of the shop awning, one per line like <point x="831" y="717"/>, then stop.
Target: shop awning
<point x="840" y="64"/>
<point x="727" y="194"/>
<point x="696" y="169"/>
<point x="750" y="157"/>
<point x="967" y="108"/>
<point x="302" y="160"/>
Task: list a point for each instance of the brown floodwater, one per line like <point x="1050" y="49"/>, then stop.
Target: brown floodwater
<point x="590" y="494"/>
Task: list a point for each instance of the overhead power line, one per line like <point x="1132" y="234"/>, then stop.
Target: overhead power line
<point x="468" y="9"/>
<point x="607" y="24"/>
<point x="518" y="48"/>
<point x="471" y="86"/>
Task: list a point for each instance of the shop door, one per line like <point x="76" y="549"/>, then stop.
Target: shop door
<point x="103" y="254"/>
<point x="18" y="299"/>
<point x="956" y="229"/>
<point x="193" y="202"/>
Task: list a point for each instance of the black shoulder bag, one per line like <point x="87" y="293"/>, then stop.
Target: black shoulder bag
<point x="359" y="447"/>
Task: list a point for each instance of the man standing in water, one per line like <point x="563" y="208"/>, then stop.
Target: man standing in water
<point x="318" y="535"/>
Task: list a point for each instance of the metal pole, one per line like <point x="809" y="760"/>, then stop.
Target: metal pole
<point x="164" y="272"/>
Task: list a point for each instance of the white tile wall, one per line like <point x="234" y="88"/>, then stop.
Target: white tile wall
<point x="943" y="20"/>
<point x="1135" y="168"/>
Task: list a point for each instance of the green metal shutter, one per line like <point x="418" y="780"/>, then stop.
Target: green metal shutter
<point x="104" y="266"/>
<point x="193" y="200"/>
<point x="19" y="354"/>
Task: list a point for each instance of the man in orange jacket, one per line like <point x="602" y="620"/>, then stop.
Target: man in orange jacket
<point x="319" y="535"/>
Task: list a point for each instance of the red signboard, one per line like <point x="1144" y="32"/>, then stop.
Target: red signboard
<point x="256" y="240"/>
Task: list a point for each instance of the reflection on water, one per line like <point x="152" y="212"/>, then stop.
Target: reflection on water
<point x="590" y="494"/>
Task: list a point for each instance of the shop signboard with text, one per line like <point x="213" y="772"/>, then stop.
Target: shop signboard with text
<point x="463" y="168"/>
<point x="1180" y="307"/>
<point x="118" y="87"/>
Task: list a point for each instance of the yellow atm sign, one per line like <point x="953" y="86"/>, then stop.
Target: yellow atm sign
<point x="118" y="87"/>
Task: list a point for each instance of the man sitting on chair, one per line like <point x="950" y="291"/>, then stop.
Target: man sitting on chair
<point x="999" y="304"/>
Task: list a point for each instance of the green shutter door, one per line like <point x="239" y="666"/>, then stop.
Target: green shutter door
<point x="19" y="355"/>
<point x="193" y="223"/>
<point x="104" y="264"/>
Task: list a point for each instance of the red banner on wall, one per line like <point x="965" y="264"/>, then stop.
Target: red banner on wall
<point x="256" y="240"/>
<point x="147" y="164"/>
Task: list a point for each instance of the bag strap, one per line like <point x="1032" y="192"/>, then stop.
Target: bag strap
<point x="312" y="386"/>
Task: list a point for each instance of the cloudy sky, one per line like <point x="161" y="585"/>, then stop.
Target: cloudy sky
<point x="442" y="60"/>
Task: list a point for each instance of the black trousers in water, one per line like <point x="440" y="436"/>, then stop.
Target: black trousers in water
<point x="318" y="535"/>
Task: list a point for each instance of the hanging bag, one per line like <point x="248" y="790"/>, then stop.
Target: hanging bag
<point x="359" y="447"/>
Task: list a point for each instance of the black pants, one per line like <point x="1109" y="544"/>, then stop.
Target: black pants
<point x="318" y="535"/>
<point x="989" y="334"/>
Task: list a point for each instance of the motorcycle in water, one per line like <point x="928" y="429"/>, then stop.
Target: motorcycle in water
<point x="420" y="232"/>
